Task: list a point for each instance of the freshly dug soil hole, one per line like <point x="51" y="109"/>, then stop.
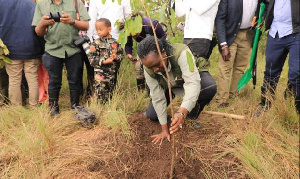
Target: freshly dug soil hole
<point x="195" y="149"/>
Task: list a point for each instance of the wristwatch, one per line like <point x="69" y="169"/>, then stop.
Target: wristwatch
<point x="73" y="21"/>
<point x="182" y="114"/>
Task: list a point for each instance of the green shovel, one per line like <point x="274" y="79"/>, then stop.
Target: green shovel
<point x="251" y="71"/>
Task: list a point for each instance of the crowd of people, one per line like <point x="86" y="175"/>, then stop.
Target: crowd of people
<point x="44" y="33"/>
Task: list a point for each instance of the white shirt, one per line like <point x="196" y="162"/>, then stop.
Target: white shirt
<point x="249" y="8"/>
<point x="199" y="17"/>
<point x="110" y="10"/>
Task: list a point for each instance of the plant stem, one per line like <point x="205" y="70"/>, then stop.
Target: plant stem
<point x="169" y="86"/>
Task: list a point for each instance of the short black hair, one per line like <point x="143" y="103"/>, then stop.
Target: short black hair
<point x="106" y="21"/>
<point x="148" y="45"/>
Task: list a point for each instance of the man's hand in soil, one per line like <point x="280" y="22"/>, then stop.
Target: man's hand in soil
<point x="162" y="135"/>
<point x="178" y="120"/>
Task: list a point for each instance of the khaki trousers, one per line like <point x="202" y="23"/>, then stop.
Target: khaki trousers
<point x="14" y="71"/>
<point x="233" y="69"/>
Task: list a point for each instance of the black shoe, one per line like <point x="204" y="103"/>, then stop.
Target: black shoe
<point x="260" y="110"/>
<point x="73" y="106"/>
<point x="197" y="125"/>
<point x="54" y="108"/>
<point x="54" y="111"/>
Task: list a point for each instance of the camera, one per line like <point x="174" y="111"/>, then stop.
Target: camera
<point x="55" y="16"/>
<point x="84" y="41"/>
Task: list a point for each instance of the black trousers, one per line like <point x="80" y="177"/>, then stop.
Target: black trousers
<point x="3" y="86"/>
<point x="54" y="66"/>
<point x="208" y="91"/>
<point x="201" y="47"/>
<point x="90" y="74"/>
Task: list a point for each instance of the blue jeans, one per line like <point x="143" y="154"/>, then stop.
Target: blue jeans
<point x="54" y="67"/>
<point x="208" y="91"/>
<point x="276" y="53"/>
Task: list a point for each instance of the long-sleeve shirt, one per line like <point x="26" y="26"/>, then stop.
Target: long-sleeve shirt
<point x="146" y="30"/>
<point x="110" y="10"/>
<point x="282" y="22"/>
<point x="249" y="8"/>
<point x="16" y="30"/>
<point x="101" y="49"/>
<point x="191" y="88"/>
<point x="199" y="17"/>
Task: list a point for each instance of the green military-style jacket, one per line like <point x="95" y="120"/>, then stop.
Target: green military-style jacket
<point x="184" y="76"/>
<point x="178" y="47"/>
<point x="60" y="37"/>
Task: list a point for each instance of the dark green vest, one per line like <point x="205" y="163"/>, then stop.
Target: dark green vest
<point x="175" y="69"/>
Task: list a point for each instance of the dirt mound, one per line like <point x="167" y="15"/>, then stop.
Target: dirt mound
<point x="199" y="153"/>
<point x="196" y="153"/>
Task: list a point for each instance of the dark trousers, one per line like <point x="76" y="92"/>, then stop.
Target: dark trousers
<point x="276" y="53"/>
<point x="199" y="47"/>
<point x="54" y="67"/>
<point x="208" y="91"/>
<point x="3" y="86"/>
<point x="90" y="74"/>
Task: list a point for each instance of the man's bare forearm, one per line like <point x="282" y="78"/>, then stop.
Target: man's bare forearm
<point x="81" y="25"/>
<point x="40" y="30"/>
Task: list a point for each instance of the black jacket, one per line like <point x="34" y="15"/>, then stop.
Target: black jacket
<point x="295" y="5"/>
<point x="229" y="19"/>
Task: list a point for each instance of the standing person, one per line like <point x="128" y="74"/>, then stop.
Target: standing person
<point x="111" y="10"/>
<point x="105" y="56"/>
<point x="233" y="21"/>
<point x="59" y="35"/>
<point x="24" y="48"/>
<point x="89" y="68"/>
<point x="283" y="20"/>
<point x="184" y="78"/>
<point x="198" y="33"/>
<point x="146" y="31"/>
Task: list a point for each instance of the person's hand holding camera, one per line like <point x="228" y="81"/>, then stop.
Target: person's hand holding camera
<point x="66" y="19"/>
<point x="42" y="28"/>
<point x="46" y="21"/>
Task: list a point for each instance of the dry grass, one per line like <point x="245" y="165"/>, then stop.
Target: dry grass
<point x="32" y="145"/>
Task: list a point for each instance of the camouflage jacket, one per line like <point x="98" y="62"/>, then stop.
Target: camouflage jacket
<point x="101" y="49"/>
